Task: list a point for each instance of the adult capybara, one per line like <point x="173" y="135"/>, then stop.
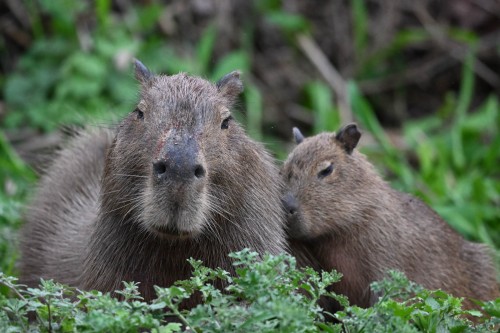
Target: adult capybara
<point x="177" y="178"/>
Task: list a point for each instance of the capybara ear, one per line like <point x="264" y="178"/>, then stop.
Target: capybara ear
<point x="230" y="86"/>
<point x="348" y="136"/>
<point x="297" y="135"/>
<point x="142" y="73"/>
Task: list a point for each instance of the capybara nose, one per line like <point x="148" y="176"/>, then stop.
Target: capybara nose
<point x="181" y="169"/>
<point x="179" y="160"/>
<point x="290" y="203"/>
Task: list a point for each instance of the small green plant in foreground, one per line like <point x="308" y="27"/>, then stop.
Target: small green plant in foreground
<point x="267" y="294"/>
<point x="264" y="296"/>
<point x="407" y="307"/>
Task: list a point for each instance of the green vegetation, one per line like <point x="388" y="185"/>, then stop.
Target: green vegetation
<point x="449" y="158"/>
<point x="456" y="167"/>
<point x="16" y="179"/>
<point x="268" y="295"/>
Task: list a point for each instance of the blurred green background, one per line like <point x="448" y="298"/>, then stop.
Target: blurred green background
<point x="421" y="80"/>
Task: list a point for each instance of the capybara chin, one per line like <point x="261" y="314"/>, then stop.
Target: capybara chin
<point x="349" y="219"/>
<point x="177" y="178"/>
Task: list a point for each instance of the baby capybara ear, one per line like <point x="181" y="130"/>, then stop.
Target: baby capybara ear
<point x="230" y="86"/>
<point x="348" y="136"/>
<point x="142" y="73"/>
<point x="297" y="135"/>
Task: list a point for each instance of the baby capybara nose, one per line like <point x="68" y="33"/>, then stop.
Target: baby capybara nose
<point x="290" y="203"/>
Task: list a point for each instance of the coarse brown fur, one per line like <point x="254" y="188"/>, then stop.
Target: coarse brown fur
<point x="351" y="220"/>
<point x="178" y="178"/>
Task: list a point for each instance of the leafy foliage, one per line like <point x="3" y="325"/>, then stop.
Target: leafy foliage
<point x="455" y="168"/>
<point x="265" y="296"/>
<point x="449" y="159"/>
<point x="407" y="307"/>
<point x="15" y="178"/>
<point x="67" y="78"/>
<point x="268" y="295"/>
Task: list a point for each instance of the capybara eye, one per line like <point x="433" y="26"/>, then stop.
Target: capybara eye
<point x="171" y="188"/>
<point x="225" y="122"/>
<point x="326" y="171"/>
<point x="140" y="114"/>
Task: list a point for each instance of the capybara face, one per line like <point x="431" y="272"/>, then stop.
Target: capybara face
<point x="171" y="150"/>
<point x="323" y="182"/>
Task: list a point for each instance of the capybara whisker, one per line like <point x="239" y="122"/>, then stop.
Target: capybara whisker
<point x="177" y="178"/>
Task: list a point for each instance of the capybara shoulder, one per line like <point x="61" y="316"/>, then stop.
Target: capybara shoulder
<point x="60" y="217"/>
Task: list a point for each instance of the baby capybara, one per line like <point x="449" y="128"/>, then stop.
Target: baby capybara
<point x="351" y="220"/>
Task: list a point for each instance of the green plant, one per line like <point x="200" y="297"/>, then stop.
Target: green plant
<point x="360" y="22"/>
<point x="455" y="169"/>
<point x="57" y="308"/>
<point x="407" y="307"/>
<point x="267" y="294"/>
<point x="320" y="101"/>
<point x="56" y="82"/>
<point x="15" y="179"/>
<point x="289" y="23"/>
<point x="64" y="80"/>
<point x="74" y="75"/>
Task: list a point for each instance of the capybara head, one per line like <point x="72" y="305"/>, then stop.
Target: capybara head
<point x="171" y="153"/>
<point x="326" y="181"/>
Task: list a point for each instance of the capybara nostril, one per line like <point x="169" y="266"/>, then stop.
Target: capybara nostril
<point x="160" y="167"/>
<point x="199" y="171"/>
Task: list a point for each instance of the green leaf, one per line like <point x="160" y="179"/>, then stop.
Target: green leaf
<point x="237" y="60"/>
<point x="360" y="26"/>
<point x="326" y="115"/>
<point x="102" y="8"/>
<point x="253" y="101"/>
<point x="204" y="49"/>
<point x="464" y="99"/>
<point x="290" y="23"/>
<point x="364" y="112"/>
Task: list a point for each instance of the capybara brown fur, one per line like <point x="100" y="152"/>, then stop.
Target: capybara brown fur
<point x="177" y="178"/>
<point x="351" y="220"/>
